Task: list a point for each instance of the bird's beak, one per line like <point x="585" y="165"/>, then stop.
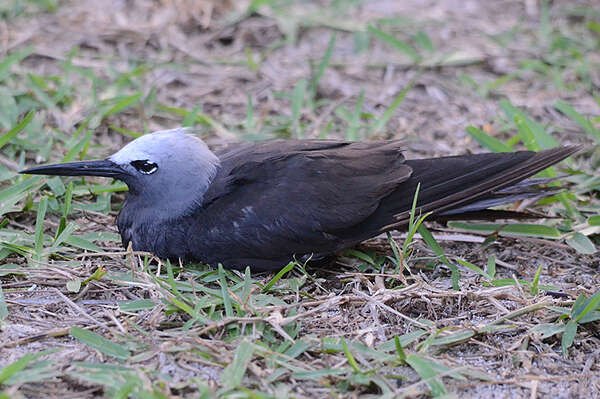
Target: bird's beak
<point x="104" y="168"/>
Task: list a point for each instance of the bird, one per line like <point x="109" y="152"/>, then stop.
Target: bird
<point x="264" y="204"/>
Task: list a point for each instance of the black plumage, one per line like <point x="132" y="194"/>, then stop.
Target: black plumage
<point x="266" y="203"/>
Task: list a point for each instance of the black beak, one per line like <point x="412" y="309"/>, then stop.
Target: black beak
<point x="104" y="168"/>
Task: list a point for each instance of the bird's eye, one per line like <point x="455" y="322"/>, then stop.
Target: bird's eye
<point x="144" y="166"/>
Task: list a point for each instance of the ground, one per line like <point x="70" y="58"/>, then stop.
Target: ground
<point x="475" y="315"/>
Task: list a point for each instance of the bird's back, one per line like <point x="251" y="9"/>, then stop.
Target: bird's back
<point x="274" y="201"/>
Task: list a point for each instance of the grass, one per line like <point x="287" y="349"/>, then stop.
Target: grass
<point x="435" y="312"/>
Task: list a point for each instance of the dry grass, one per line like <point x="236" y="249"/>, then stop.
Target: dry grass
<point x="188" y="332"/>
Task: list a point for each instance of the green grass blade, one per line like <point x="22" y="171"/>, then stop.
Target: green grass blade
<point x="11" y="59"/>
<point x="584" y="123"/>
<point x="568" y="336"/>
<point x="405" y="340"/>
<point x="100" y="343"/>
<point x="354" y="126"/>
<point x="591" y="316"/>
<point x="320" y="374"/>
<point x="474" y="268"/>
<point x="536" y="281"/>
<point x="349" y="357"/>
<point x="5" y="138"/>
<point x="192" y="116"/>
<point x="136" y="305"/>
<point x="39" y="227"/>
<point x="424" y="41"/>
<point x="360" y="255"/>
<point x="171" y="279"/>
<point x="323" y="65"/>
<point x="202" y="119"/>
<point x="428" y="374"/>
<point x="56" y="185"/>
<point x="395" y="43"/>
<point x="63" y="236"/>
<point x="15" y="367"/>
<point x="590" y="305"/>
<point x="541" y="138"/>
<point x="66" y="210"/>
<point x="491" y="266"/>
<point x="3" y="307"/>
<point x="432" y="243"/>
<point x="38" y="86"/>
<point x="488" y="141"/>
<point x="298" y="95"/>
<point x="81" y="144"/>
<point x="10" y="204"/>
<point x="80" y="242"/>
<point x="247" y="285"/>
<point x="411" y="220"/>
<point x="122" y="104"/>
<point x="382" y="122"/>
<point x="515" y="229"/>
<point x="234" y="373"/>
<point x="15" y="190"/>
<point x="526" y="134"/>
<point x="278" y="276"/>
<point x="126" y="132"/>
<point x="547" y="330"/>
<point x="578" y="306"/>
<point x="250" y="123"/>
<point x="437" y="249"/>
<point x="399" y="350"/>
<point x="451" y="339"/>
<point x="395" y="249"/>
<point x="251" y="61"/>
<point x="581" y="244"/>
<point x="225" y="293"/>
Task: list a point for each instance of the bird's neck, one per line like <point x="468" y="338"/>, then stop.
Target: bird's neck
<point x="149" y="219"/>
<point x="175" y="195"/>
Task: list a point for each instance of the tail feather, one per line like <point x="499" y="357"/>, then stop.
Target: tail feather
<point x="492" y="215"/>
<point x="529" y="183"/>
<point x="503" y="197"/>
<point x="473" y="183"/>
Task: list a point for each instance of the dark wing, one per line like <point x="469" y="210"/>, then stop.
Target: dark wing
<point x="485" y="177"/>
<point x="274" y="199"/>
<point x="462" y="186"/>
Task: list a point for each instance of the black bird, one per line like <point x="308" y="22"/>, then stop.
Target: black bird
<point x="263" y="204"/>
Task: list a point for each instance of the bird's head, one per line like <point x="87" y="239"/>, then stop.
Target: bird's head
<point x="168" y="168"/>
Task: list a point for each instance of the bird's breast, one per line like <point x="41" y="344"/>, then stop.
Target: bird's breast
<point x="166" y="238"/>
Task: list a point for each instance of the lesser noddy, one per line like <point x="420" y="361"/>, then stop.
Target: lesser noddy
<point x="263" y="204"/>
